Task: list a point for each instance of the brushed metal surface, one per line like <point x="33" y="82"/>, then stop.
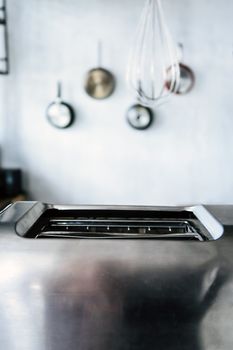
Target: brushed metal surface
<point x="101" y="294"/>
<point x="100" y="83"/>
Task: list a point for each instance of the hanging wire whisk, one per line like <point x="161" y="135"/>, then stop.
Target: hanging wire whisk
<point x="153" y="69"/>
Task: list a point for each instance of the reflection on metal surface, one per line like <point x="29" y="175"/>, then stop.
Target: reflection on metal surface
<point x="208" y="281"/>
<point x="105" y="294"/>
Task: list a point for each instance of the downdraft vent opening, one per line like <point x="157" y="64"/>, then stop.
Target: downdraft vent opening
<point x="118" y="225"/>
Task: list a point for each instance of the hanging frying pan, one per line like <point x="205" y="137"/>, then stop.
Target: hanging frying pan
<point x="139" y="117"/>
<point x="59" y="113"/>
<point x="187" y="76"/>
<point x="187" y="80"/>
<point x="99" y="83"/>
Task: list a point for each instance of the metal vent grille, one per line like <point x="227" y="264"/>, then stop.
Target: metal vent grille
<point x="112" y="227"/>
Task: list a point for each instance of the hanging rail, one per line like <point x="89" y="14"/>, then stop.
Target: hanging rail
<point x="4" y="60"/>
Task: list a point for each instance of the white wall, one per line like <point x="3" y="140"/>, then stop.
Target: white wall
<point x="185" y="157"/>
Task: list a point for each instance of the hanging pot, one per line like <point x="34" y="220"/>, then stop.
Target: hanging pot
<point x="139" y="117"/>
<point x="59" y="113"/>
<point x="99" y="83"/>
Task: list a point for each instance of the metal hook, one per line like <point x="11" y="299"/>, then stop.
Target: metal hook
<point x="99" y="53"/>
<point x="180" y="47"/>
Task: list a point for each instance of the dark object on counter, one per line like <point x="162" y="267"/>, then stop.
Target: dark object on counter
<point x="59" y="113"/>
<point x="139" y="117"/>
<point x="100" y="83"/>
<point x="10" y="182"/>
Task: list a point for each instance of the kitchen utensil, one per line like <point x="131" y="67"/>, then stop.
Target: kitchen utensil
<point x="99" y="83"/>
<point x="187" y="77"/>
<point x="59" y="113"/>
<point x="187" y="80"/>
<point x="139" y="117"/>
<point x="153" y="53"/>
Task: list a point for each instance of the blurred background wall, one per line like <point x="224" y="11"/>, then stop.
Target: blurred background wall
<point x="185" y="157"/>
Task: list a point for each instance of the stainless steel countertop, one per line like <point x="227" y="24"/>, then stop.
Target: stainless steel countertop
<point x="118" y="295"/>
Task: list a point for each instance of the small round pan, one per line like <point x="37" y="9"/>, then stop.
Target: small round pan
<point x="187" y="80"/>
<point x="59" y="113"/>
<point x="139" y="117"/>
<point x="100" y="83"/>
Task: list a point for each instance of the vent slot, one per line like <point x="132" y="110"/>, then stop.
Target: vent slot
<point x="117" y="224"/>
<point x="86" y="227"/>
